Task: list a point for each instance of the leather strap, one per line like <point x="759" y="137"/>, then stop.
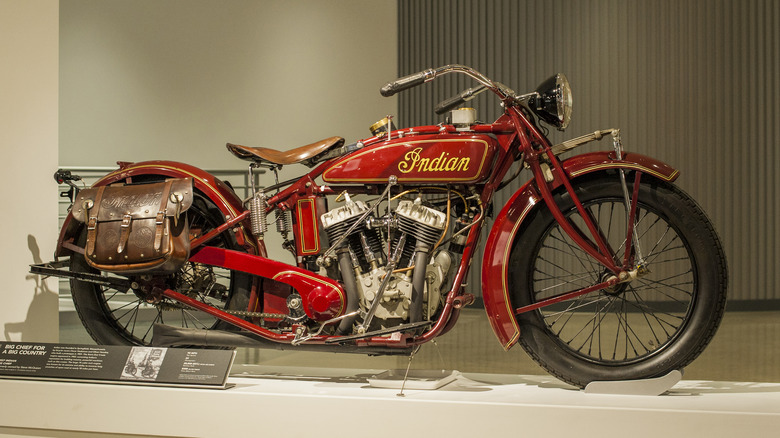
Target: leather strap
<point x="124" y="233"/>
<point x="92" y="221"/>
<point x="160" y="222"/>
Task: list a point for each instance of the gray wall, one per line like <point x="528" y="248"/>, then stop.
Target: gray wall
<point x="694" y="83"/>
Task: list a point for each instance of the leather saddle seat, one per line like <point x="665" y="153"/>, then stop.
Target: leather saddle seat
<point x="303" y="154"/>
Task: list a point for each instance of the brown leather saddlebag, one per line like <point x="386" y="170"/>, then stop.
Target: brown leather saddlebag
<point x="136" y="228"/>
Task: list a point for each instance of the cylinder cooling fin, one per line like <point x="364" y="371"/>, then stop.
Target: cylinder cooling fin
<point x="337" y="221"/>
<point x="424" y="223"/>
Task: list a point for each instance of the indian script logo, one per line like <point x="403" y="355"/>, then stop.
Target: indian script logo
<point x="135" y="201"/>
<point x="443" y="163"/>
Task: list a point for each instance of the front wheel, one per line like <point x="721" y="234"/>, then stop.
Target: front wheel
<point x="645" y="328"/>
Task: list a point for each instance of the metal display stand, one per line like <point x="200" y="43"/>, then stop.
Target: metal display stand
<point x="654" y="386"/>
<point x="415" y="379"/>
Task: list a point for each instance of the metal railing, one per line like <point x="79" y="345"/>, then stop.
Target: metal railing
<point x="239" y="180"/>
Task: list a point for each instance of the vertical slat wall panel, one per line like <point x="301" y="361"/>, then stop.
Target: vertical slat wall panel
<point x="694" y="83"/>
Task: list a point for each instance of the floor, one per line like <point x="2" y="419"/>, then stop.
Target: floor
<point x="745" y="349"/>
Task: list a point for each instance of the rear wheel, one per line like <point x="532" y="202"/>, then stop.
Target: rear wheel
<point x="120" y="317"/>
<point x="644" y="328"/>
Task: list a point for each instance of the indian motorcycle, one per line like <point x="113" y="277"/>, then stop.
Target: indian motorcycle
<point x="599" y="266"/>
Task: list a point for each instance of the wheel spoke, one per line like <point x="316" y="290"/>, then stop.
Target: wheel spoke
<point x="132" y="306"/>
<point x="625" y="322"/>
<point x="660" y="286"/>
<point x="574" y="250"/>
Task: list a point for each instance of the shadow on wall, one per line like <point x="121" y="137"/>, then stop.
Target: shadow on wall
<point x="44" y="306"/>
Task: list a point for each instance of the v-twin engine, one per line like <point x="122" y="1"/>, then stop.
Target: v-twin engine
<point x="401" y="242"/>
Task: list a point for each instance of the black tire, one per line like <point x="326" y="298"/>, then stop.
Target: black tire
<point x="645" y="328"/>
<point x="115" y="317"/>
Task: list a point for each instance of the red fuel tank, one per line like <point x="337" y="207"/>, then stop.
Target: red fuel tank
<point x="418" y="159"/>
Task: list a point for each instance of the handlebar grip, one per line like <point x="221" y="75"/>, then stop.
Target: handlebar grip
<point x="452" y="102"/>
<point x="405" y="83"/>
<point x="63" y="176"/>
<point x="449" y="104"/>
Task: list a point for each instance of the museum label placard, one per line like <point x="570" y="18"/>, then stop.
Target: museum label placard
<point x="116" y="364"/>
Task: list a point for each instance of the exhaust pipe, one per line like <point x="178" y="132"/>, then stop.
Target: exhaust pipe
<point x="169" y="336"/>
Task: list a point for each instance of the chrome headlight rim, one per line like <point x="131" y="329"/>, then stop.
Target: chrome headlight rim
<point x="553" y="102"/>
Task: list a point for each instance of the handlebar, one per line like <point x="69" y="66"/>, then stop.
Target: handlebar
<point x="430" y="74"/>
<point x="407" y="82"/>
<point x="63" y="176"/>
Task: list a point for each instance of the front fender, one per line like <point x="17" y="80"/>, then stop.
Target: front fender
<point x="217" y="191"/>
<point x="495" y="291"/>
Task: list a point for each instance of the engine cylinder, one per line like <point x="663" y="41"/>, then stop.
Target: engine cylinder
<point x="361" y="240"/>
<point x="424" y="223"/>
<point x="338" y="221"/>
<point x="374" y="245"/>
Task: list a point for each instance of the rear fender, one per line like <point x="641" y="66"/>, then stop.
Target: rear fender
<point x="217" y="191"/>
<point x="495" y="291"/>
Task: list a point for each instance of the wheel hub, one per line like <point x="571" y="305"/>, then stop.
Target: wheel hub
<point x="615" y="290"/>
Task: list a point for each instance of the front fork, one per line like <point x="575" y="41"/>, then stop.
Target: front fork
<point x="633" y="264"/>
<point x="630" y="202"/>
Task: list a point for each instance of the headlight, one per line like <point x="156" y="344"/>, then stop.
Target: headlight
<point x="553" y="103"/>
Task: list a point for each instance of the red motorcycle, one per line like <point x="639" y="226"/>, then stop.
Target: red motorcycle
<point x="599" y="266"/>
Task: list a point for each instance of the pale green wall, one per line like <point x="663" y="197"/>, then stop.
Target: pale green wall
<point x="177" y="79"/>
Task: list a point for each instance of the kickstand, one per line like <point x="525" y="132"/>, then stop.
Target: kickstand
<point x="408" y="366"/>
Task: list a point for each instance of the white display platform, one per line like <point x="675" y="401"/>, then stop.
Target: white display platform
<point x="310" y="402"/>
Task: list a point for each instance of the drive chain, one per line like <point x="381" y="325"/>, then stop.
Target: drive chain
<point x="256" y="314"/>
